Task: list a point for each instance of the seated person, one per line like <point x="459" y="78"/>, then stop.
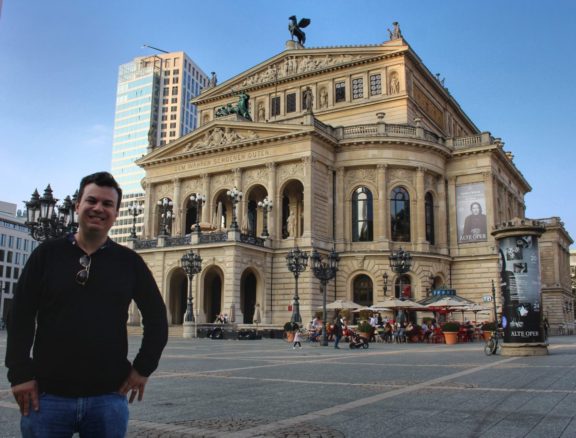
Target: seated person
<point x="400" y="333"/>
<point x="387" y="333"/>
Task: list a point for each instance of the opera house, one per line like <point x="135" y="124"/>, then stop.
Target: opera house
<point x="357" y="149"/>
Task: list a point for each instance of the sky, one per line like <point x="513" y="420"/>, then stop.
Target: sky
<point x="510" y="65"/>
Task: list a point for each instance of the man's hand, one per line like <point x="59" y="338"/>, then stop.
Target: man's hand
<point x="26" y="393"/>
<point x="135" y="383"/>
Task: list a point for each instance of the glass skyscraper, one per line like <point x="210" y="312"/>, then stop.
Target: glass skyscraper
<point x="152" y="109"/>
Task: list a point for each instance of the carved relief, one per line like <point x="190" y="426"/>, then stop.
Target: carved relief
<point x="361" y="176"/>
<point x="400" y="175"/>
<point x="165" y="190"/>
<point x="426" y="105"/>
<point x="191" y="185"/>
<point x="294" y="65"/>
<point x="220" y="137"/>
<point x="430" y="182"/>
<point x="293" y="170"/>
<point x="223" y="180"/>
<point x="259" y="175"/>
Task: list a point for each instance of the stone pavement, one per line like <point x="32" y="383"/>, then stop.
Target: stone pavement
<point x="225" y="388"/>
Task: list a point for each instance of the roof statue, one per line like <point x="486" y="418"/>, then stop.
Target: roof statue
<point x="395" y="33"/>
<point x="241" y="108"/>
<point x="295" y="28"/>
<point x="213" y="80"/>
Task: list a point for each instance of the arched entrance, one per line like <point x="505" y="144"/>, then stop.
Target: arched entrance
<point x="248" y="296"/>
<point x="212" y="295"/>
<point x="178" y="293"/>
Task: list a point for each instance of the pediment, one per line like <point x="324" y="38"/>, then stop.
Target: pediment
<point x="292" y="64"/>
<point x="218" y="136"/>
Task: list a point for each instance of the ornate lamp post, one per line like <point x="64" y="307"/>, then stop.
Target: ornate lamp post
<point x="236" y="196"/>
<point x="400" y="261"/>
<point x="297" y="261"/>
<point x="192" y="265"/>
<point x="198" y="201"/>
<point x="134" y="210"/>
<point x="266" y="206"/>
<point x="165" y="205"/>
<point x="324" y="271"/>
<point x="42" y="220"/>
<point x="385" y="277"/>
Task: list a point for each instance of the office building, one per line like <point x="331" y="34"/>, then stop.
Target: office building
<point x="16" y="244"/>
<point x="152" y="109"/>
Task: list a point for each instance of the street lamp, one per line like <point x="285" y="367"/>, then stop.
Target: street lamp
<point x="296" y="260"/>
<point x="385" y="277"/>
<point x="198" y="201"/>
<point x="192" y="265"/>
<point x="266" y="206"/>
<point x="324" y="271"/>
<point x="236" y="196"/>
<point x="43" y="221"/>
<point x="135" y="210"/>
<point x="165" y="205"/>
<point x="400" y="261"/>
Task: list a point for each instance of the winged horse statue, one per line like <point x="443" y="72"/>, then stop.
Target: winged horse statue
<point x="295" y="28"/>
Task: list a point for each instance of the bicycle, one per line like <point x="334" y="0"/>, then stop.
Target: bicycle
<point x="494" y="344"/>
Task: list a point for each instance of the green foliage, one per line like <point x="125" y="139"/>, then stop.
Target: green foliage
<point x="364" y="327"/>
<point x="291" y="326"/>
<point x="451" y="326"/>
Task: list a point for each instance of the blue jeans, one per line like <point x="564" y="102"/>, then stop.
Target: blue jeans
<point x="102" y="416"/>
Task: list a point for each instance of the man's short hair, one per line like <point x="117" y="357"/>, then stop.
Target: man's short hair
<point x="102" y="179"/>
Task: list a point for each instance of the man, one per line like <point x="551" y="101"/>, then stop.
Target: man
<point x="71" y="305"/>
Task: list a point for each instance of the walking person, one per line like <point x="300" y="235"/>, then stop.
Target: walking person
<point x="297" y="339"/>
<point x="70" y="307"/>
<point x="337" y="331"/>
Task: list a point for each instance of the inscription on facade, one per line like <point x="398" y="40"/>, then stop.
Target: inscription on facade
<point x="225" y="159"/>
<point x="428" y="107"/>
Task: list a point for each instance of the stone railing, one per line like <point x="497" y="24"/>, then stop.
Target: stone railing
<point x="177" y="241"/>
<point x="145" y="244"/>
<point x="483" y="139"/>
<point x="213" y="237"/>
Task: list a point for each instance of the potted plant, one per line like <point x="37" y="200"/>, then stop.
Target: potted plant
<point x="487" y="329"/>
<point x="289" y="330"/>
<point x="365" y="329"/>
<point x="450" y="330"/>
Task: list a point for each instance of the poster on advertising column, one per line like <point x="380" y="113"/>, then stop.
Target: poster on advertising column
<point x="520" y="276"/>
<point x="470" y="213"/>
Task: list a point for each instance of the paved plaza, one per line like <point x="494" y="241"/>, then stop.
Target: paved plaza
<point x="264" y="388"/>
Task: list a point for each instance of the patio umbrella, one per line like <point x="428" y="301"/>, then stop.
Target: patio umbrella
<point x="397" y="303"/>
<point x="343" y="304"/>
<point x="474" y="308"/>
<point x="376" y="308"/>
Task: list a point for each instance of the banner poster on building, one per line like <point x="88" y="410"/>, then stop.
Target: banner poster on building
<point x="520" y="281"/>
<point x="470" y="213"/>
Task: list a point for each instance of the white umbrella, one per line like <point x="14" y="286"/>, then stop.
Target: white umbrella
<point x="397" y="303"/>
<point x="343" y="304"/>
<point x="376" y="308"/>
<point x="449" y="302"/>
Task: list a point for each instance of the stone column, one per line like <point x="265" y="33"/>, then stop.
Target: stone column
<point x="521" y="287"/>
<point x="240" y="206"/>
<point x="207" y="207"/>
<point x="383" y="204"/>
<point x="340" y="205"/>
<point x="441" y="216"/>
<point x="307" y="199"/>
<point x="273" y="229"/>
<point x="490" y="200"/>
<point x="177" y="209"/>
<point x="149" y="210"/>
<point x="420" y="216"/>
<point x="452" y="212"/>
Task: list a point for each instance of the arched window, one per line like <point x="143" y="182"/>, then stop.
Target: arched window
<point x="400" y="214"/>
<point x="363" y="290"/>
<point x="362" y="224"/>
<point x="429" y="217"/>
<point x="402" y="287"/>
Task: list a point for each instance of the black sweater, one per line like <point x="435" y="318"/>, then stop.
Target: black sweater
<point x="78" y="332"/>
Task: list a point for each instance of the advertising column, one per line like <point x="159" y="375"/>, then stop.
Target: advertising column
<point x="519" y="268"/>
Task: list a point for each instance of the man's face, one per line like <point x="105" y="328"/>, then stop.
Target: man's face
<point x="97" y="209"/>
<point x="475" y="209"/>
